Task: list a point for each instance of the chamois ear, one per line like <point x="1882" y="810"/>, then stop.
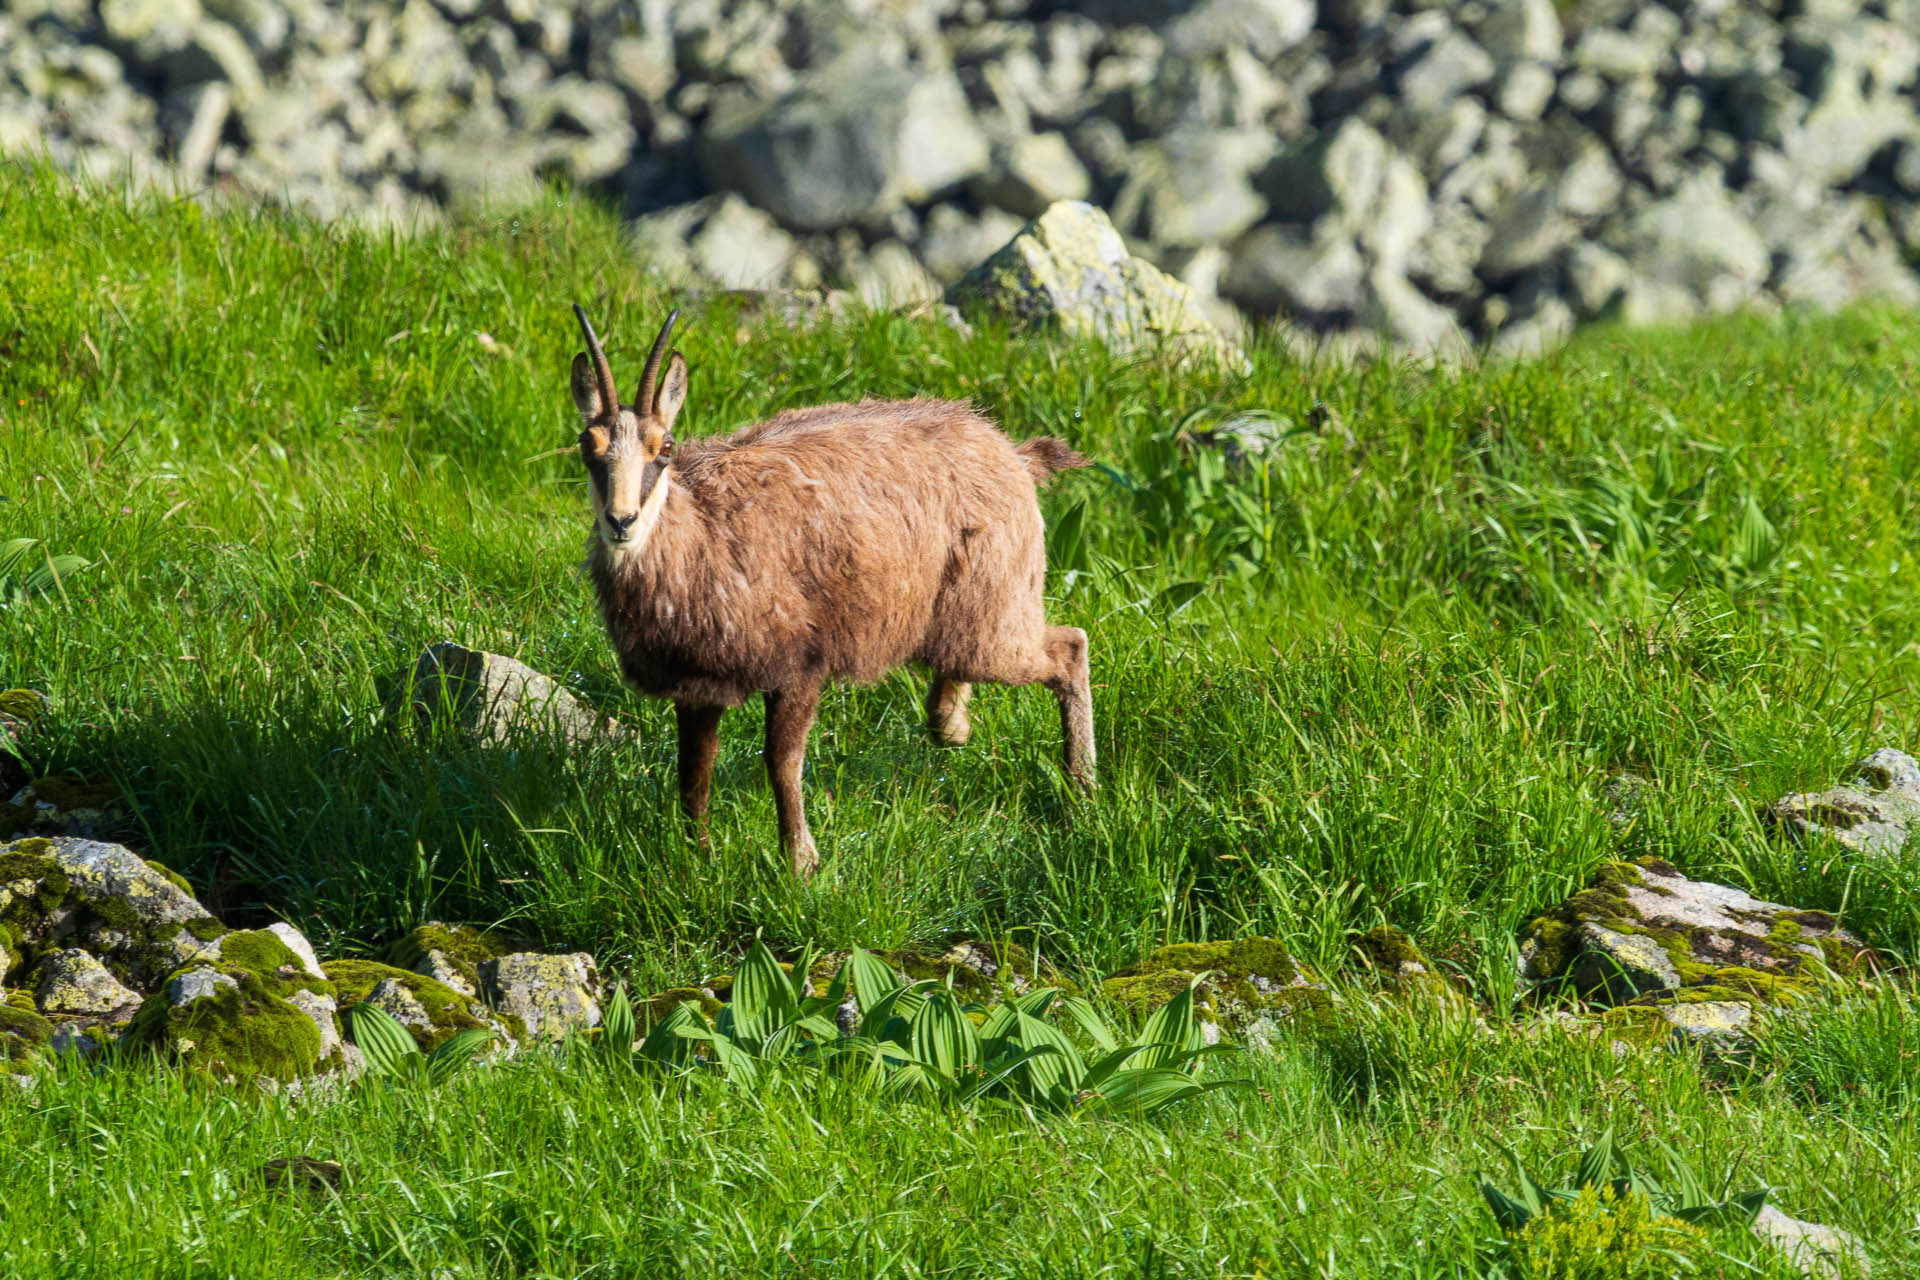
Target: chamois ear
<point x="586" y="393"/>
<point x="673" y="391"/>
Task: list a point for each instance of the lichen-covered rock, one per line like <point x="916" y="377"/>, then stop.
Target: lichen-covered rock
<point x="1390" y="956"/>
<point x="73" y="982"/>
<point x="1252" y="987"/>
<point x="23" y="1033"/>
<point x="1877" y="815"/>
<point x="1644" y="934"/>
<point x="61" y="805"/>
<point x="135" y="917"/>
<point x="238" y="1024"/>
<point x="433" y="1012"/>
<point x="297" y="943"/>
<point x="1069" y="270"/>
<point x="491" y="698"/>
<point x="450" y="954"/>
<point x="548" y="995"/>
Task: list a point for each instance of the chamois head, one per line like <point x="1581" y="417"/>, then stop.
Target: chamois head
<point x="628" y="448"/>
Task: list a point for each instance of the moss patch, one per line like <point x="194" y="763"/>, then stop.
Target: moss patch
<point x="23" y="1033"/>
<point x="657" y="1006"/>
<point x="239" y="1032"/>
<point x="464" y="947"/>
<point x="448" y="1012"/>
<point x="171" y="876"/>
<point x="1249" y="981"/>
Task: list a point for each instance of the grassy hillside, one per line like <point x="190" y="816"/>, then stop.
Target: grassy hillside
<point x="1382" y="674"/>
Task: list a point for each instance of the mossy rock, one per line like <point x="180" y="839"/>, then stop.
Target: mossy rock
<point x="228" y="1024"/>
<point x="1390" y="958"/>
<point x="136" y="918"/>
<point x="1643" y="934"/>
<point x="649" y="1011"/>
<point x="450" y="953"/>
<point x="1250" y="987"/>
<point x="432" y="1011"/>
<point x="62" y="805"/>
<point x="23" y="1033"/>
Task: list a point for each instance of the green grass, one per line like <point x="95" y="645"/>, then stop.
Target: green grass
<point x="1383" y="681"/>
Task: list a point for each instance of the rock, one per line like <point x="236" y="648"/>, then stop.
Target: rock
<point x="720" y="240"/>
<point x="1192" y="186"/>
<point x="492" y="698"/>
<point x="549" y="995"/>
<point x="1264" y="28"/>
<point x="73" y="982"/>
<point x="1030" y="173"/>
<point x="889" y="276"/>
<point x="1517" y="32"/>
<point x="1644" y="934"/>
<point x="297" y="943"/>
<point x="1279" y="269"/>
<point x="1450" y="66"/>
<point x="1818" y="1250"/>
<point x="1398" y="965"/>
<point x="953" y="243"/>
<point x="450" y="954"/>
<point x="236" y="1019"/>
<point x="1596" y="277"/>
<point x="1697" y="241"/>
<point x="839" y="150"/>
<point x="1714" y="1024"/>
<point x="1875" y="816"/>
<point x="1252" y="987"/>
<point x="1338" y="170"/>
<point x="432" y="1012"/>
<point x="1524" y="90"/>
<point x="1069" y="269"/>
<point x="62" y="805"/>
<point x="133" y="916"/>
<point x="1616" y="55"/>
<point x="1527" y="232"/>
<point x="1409" y="319"/>
<point x="23" y="1033"/>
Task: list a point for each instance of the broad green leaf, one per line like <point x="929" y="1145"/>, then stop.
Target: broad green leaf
<point x="1095" y="1027"/>
<point x="1597" y="1165"/>
<point x="1146" y="1090"/>
<point x="1052" y="1077"/>
<point x="456" y="1052"/>
<point x="873" y="979"/>
<point x="941" y="1035"/>
<point x="1171" y="1031"/>
<point x="1508" y="1213"/>
<point x="670" y="1039"/>
<point x="618" y="1030"/>
<point x="383" y="1042"/>
<point x="762" y="996"/>
<point x="896" y="1007"/>
<point x="998" y="1070"/>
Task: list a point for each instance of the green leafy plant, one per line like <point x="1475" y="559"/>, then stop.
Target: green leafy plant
<point x="28" y="569"/>
<point x="392" y="1054"/>
<point x="1614" y="1221"/>
<point x="920" y="1038"/>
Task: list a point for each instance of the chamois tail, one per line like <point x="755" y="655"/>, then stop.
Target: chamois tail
<point x="1045" y="455"/>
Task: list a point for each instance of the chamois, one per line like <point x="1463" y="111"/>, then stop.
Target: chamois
<point x="833" y="542"/>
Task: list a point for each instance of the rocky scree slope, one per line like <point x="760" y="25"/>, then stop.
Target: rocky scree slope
<point x="1430" y="173"/>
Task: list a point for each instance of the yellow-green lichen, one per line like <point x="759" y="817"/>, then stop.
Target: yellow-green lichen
<point x="650" y="1010"/>
<point x="171" y="876"/>
<point x="23" y="1032"/>
<point x="465" y="947"/>
<point x="448" y="1012"/>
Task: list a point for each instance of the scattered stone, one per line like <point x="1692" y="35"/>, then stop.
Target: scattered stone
<point x="432" y="1012"/>
<point x="1069" y="269"/>
<point x="492" y="698"/>
<point x="1818" y="1250"/>
<point x="1875" y="816"/>
<point x="73" y="982"/>
<point x="548" y="995"/>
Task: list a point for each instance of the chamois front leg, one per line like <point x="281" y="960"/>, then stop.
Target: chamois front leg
<point x="947" y="711"/>
<point x="699" y="744"/>
<point x="789" y="720"/>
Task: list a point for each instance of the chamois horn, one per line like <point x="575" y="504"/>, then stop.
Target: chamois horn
<point x="643" y="399"/>
<point x="602" y="371"/>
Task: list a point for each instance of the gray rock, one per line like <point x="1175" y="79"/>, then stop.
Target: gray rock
<point x="1030" y="173"/>
<point x="324" y="1011"/>
<point x="720" y="240"/>
<point x="1409" y="319"/>
<point x="196" y="984"/>
<point x="1301" y="273"/>
<point x="1596" y="278"/>
<point x="1827" y="1253"/>
<point x="888" y="276"/>
<point x="1906" y="169"/>
<point x="1524" y="90"/>
<point x="72" y="982"/>
<point x="1436" y="141"/>
<point x="1877" y="815"/>
<point x="1193" y="187"/>
<point x="1711" y="1024"/>
<point x="1617" y="55"/>
<point x="1450" y="66"/>
<point x="1695" y="240"/>
<point x="298" y="944"/>
<point x="842" y="149"/>
<point x="1264" y="28"/>
<point x="551" y="995"/>
<point x="1547" y="322"/>
<point x="1338" y="171"/>
<point x="492" y="698"/>
<point x="1521" y="32"/>
<point x="436" y="965"/>
<point x="391" y="997"/>
<point x="1069" y="269"/>
<point x="1400" y="216"/>
<point x="1526" y="233"/>
<point x="1443" y="262"/>
<point x="953" y="242"/>
<point x="1615" y="967"/>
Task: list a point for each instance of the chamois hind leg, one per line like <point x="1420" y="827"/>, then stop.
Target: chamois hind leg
<point x="789" y="720"/>
<point x="699" y="744"/>
<point x="947" y="711"/>
<point x="1071" y="681"/>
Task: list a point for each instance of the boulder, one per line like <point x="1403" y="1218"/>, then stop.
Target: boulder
<point x="1696" y="240"/>
<point x="492" y="698"/>
<point x="1278" y="269"/>
<point x="1876" y="815"/>
<point x="1646" y="935"/>
<point x="1030" y="173"/>
<point x="450" y="954"/>
<point x="720" y="240"/>
<point x="1336" y="171"/>
<point x="842" y="149"/>
<point x="1192" y="186"/>
<point x="73" y="982"/>
<point x="1069" y="270"/>
<point x="135" y="917"/>
<point x="548" y="995"/>
<point x="1251" y="989"/>
<point x="1820" y="1251"/>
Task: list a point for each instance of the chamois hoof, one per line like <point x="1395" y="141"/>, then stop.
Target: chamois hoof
<point x="950" y="730"/>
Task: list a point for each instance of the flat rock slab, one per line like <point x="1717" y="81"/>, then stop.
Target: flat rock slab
<point x="1876" y="815"/>
<point x="1644" y="934"/>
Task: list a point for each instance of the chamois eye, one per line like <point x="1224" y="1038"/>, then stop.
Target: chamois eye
<point x="666" y="448"/>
